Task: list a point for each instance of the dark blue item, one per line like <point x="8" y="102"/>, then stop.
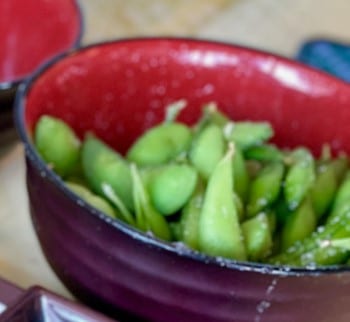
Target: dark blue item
<point x="327" y="55"/>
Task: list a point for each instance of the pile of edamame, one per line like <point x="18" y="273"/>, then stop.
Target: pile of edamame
<point x="219" y="186"/>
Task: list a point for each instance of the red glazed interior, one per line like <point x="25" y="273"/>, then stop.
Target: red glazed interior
<point x="120" y="89"/>
<point x="32" y="31"/>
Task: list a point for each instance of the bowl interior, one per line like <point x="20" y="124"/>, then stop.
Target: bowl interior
<point x="32" y="31"/>
<point x="119" y="89"/>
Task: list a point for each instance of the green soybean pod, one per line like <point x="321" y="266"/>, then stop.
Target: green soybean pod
<point x="207" y="150"/>
<point x="241" y="178"/>
<point x="265" y="188"/>
<point x="299" y="178"/>
<point x="324" y="189"/>
<point x="300" y="224"/>
<point x="246" y="133"/>
<point x="57" y="144"/>
<point x="91" y="198"/>
<point x="264" y="153"/>
<point x="210" y="115"/>
<point x="305" y="252"/>
<point x="239" y="206"/>
<point x="172" y="187"/>
<point x="147" y="217"/>
<point x="257" y="237"/>
<point x="190" y="217"/>
<point x="160" y="144"/>
<point x="219" y="229"/>
<point x="340" y="166"/>
<point x="342" y="195"/>
<point x="103" y="165"/>
<point x="319" y="250"/>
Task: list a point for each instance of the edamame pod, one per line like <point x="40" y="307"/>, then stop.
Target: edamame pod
<point x="246" y="134"/>
<point x="257" y="237"/>
<point x="324" y="189"/>
<point x="103" y="165"/>
<point x="207" y="150"/>
<point x="300" y="224"/>
<point x="240" y="175"/>
<point x="264" y="153"/>
<point x="160" y="144"/>
<point x="147" y="217"/>
<point x="57" y="144"/>
<point x="210" y="115"/>
<point x="172" y="187"/>
<point x="315" y="249"/>
<point x="190" y="217"/>
<point x="265" y="188"/>
<point x="92" y="199"/>
<point x="219" y="229"/>
<point x="299" y="178"/>
<point x="342" y="195"/>
<point x="340" y="166"/>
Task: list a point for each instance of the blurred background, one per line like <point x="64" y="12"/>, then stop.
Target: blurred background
<point x="274" y="25"/>
<point x="280" y="26"/>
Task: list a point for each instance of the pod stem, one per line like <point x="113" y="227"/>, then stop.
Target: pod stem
<point x="114" y="198"/>
<point x="173" y="110"/>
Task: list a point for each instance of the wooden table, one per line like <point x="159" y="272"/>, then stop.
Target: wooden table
<point x="278" y="26"/>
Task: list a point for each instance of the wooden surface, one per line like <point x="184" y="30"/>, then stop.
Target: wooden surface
<point x="275" y="25"/>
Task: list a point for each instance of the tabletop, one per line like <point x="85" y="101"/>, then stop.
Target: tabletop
<point x="277" y="26"/>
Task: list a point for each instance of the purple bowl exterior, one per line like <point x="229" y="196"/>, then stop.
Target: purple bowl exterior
<point x="115" y="268"/>
<point x="38" y="304"/>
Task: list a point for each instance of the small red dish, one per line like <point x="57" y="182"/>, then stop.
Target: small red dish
<point x="31" y="32"/>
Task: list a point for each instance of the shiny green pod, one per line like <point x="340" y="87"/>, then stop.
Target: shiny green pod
<point x="246" y="133"/>
<point x="91" y="198"/>
<point x="300" y="224"/>
<point x="316" y="249"/>
<point x="241" y="178"/>
<point x="219" y="229"/>
<point x="324" y="189"/>
<point x="147" y="217"/>
<point x="207" y="150"/>
<point x="103" y="165"/>
<point x="257" y="237"/>
<point x="265" y="188"/>
<point x="171" y="187"/>
<point x="190" y="217"/>
<point x="264" y="153"/>
<point x="340" y="165"/>
<point x="160" y="144"/>
<point x="57" y="144"/>
<point x="342" y="195"/>
<point x="299" y="177"/>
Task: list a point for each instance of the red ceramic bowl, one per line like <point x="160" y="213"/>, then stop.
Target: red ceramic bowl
<point x="31" y="32"/>
<point x="118" y="89"/>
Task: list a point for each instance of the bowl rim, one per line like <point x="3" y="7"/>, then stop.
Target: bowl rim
<point x="172" y="247"/>
<point x="11" y="85"/>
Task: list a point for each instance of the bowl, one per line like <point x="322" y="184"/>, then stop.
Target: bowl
<point x="119" y="89"/>
<point x="31" y="32"/>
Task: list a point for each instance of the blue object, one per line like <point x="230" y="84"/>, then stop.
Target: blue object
<point x="327" y="55"/>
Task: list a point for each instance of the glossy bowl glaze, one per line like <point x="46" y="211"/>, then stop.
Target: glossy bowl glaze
<point x="119" y="89"/>
<point x="31" y="32"/>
